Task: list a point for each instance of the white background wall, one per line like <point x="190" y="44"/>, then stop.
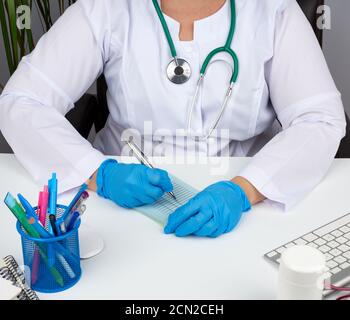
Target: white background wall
<point x="336" y="49"/>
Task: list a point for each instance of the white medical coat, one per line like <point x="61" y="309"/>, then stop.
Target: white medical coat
<point x="283" y="73"/>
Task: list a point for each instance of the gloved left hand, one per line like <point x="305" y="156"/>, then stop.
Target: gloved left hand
<point x="212" y="212"/>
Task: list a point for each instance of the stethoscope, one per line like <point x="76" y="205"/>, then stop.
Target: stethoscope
<point x="179" y="70"/>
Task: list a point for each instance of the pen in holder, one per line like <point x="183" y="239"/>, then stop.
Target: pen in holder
<point x="54" y="262"/>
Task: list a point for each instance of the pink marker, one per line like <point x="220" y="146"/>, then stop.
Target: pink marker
<point x="41" y="211"/>
<point x="43" y="204"/>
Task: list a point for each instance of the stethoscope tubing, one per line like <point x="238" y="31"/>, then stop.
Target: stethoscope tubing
<point x="225" y="49"/>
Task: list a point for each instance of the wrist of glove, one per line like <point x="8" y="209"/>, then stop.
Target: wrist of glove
<point x="214" y="211"/>
<point x="131" y="185"/>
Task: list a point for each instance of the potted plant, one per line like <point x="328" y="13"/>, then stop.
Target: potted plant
<point x="18" y="41"/>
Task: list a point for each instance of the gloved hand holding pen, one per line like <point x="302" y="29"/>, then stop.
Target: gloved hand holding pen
<point x="131" y="185"/>
<point x="214" y="211"/>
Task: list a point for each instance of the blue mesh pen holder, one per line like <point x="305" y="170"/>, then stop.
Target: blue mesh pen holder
<point x="54" y="263"/>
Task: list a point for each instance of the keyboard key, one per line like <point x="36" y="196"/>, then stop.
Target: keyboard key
<point x="272" y="254"/>
<point x="347" y="235"/>
<point x="337" y="233"/>
<point x="345" y="265"/>
<point x="281" y="249"/>
<point x="344" y="229"/>
<point x="290" y="244"/>
<point x="313" y="245"/>
<point x="333" y="244"/>
<point x="341" y="240"/>
<point x="328" y="256"/>
<point x="335" y="270"/>
<point x="329" y="237"/>
<point x="324" y="248"/>
<point x="332" y="226"/>
<point x="320" y="242"/>
<point x="300" y="242"/>
<point x="335" y="252"/>
<point x="331" y="264"/>
<point x="310" y="237"/>
<point x="340" y="259"/>
<point x="347" y="255"/>
<point x="343" y="248"/>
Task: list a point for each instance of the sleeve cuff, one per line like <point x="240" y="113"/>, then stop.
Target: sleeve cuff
<point x="82" y="171"/>
<point x="267" y="188"/>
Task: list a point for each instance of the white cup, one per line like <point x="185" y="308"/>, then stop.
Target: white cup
<point x="302" y="273"/>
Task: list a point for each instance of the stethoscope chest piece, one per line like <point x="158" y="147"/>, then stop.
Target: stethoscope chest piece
<point x="179" y="71"/>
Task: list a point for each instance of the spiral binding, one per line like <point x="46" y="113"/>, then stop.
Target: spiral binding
<point x="12" y="273"/>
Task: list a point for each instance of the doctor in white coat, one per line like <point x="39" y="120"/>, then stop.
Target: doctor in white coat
<point x="152" y="66"/>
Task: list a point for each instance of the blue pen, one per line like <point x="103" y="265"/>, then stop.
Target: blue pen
<point x="74" y="201"/>
<point x="30" y="212"/>
<point x="34" y="221"/>
<point x="73" y="220"/>
<point x="53" y="194"/>
<point x="39" y="228"/>
<point x="52" y="184"/>
<point x="33" y="218"/>
<point x="79" y="198"/>
<point x="45" y="234"/>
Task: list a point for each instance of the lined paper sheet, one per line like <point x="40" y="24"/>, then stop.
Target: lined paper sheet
<point x="160" y="210"/>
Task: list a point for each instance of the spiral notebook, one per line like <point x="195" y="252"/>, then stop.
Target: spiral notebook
<point x="160" y="210"/>
<point x="10" y="271"/>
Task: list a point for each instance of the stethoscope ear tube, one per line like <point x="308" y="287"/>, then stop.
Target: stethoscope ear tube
<point x="219" y="116"/>
<point x="193" y="103"/>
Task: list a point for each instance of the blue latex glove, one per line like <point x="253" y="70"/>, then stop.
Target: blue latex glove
<point x="212" y="212"/>
<point x="131" y="185"/>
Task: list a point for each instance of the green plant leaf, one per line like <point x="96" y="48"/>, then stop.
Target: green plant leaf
<point x="12" y="17"/>
<point x="5" y="35"/>
<point x="18" y="43"/>
<point x="29" y="33"/>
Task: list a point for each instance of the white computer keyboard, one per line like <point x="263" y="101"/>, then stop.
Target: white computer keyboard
<point x="333" y="240"/>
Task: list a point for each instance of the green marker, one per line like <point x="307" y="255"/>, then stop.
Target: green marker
<point x="19" y="213"/>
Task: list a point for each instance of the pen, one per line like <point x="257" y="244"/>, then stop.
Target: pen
<point x="73" y="220"/>
<point x="143" y="159"/>
<point x="41" y="211"/>
<point x="52" y="219"/>
<point x="53" y="194"/>
<point x="52" y="188"/>
<point x="36" y="259"/>
<point x="66" y="266"/>
<point x="33" y="220"/>
<point x="42" y="205"/>
<point x="39" y="228"/>
<point x="77" y="201"/>
<point x="18" y="212"/>
<point x="73" y="217"/>
<point x="30" y="212"/>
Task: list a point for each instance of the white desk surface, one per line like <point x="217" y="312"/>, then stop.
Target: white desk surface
<point x="140" y="262"/>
